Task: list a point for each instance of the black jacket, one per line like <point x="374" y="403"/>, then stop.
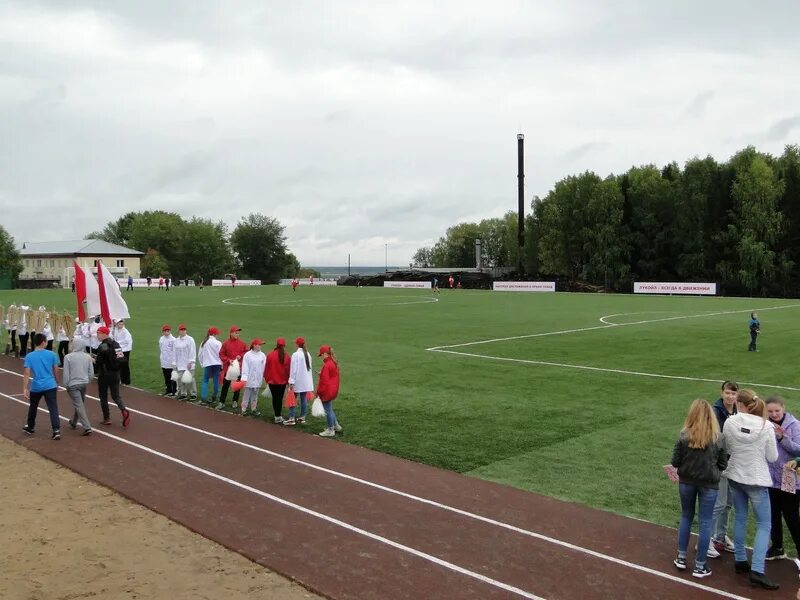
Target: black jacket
<point x="699" y="466"/>
<point x="722" y="413"/>
<point x="108" y="356"/>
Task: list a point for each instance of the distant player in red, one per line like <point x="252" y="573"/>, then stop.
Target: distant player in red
<point x="161" y="283"/>
<point x="451" y="281"/>
<point x="233" y="280"/>
<point x="310" y="280"/>
<point x="295" y="283"/>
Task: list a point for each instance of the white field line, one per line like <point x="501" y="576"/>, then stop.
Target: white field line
<point x="371" y="302"/>
<point x="421" y="500"/>
<point x="310" y="512"/>
<point x="445" y="349"/>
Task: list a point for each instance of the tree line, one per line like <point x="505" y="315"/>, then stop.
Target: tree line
<point x="736" y="223"/>
<point x="194" y="248"/>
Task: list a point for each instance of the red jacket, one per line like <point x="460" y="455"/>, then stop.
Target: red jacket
<point x="328" y="386"/>
<point x="231" y="348"/>
<point x="275" y="372"/>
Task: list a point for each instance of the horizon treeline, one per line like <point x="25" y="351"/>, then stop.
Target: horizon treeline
<point x="736" y="223"/>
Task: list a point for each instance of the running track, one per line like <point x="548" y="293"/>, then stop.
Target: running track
<point x="347" y="522"/>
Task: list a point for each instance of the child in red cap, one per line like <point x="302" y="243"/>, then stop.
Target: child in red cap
<point x="277" y="375"/>
<point x="253" y="365"/>
<point x="328" y="389"/>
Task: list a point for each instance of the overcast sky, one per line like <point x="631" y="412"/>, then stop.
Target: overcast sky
<point x="360" y="124"/>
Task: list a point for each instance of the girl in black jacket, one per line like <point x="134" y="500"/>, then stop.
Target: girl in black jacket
<point x="699" y="460"/>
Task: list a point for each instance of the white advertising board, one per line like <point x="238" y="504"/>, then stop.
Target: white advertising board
<point x="417" y="285"/>
<point x="239" y="282"/>
<point x="308" y="282"/>
<point x="524" y="286"/>
<point x="667" y="287"/>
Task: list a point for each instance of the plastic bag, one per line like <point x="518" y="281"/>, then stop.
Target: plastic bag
<point x="187" y="377"/>
<point x="267" y="393"/>
<point x="317" y="410"/>
<point x="175" y="376"/>
<point x="289" y="400"/>
<point x="233" y="372"/>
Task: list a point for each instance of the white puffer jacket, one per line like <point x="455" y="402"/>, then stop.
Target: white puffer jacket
<point x="750" y="440"/>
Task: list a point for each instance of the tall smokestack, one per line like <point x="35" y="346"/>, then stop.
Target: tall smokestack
<point x="521" y="196"/>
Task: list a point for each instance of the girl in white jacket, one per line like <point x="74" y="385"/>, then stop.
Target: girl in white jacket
<point x="212" y="365"/>
<point x="185" y="357"/>
<point x="166" y="354"/>
<point x="301" y="380"/>
<point x="253" y="364"/>
<point x="749" y="438"/>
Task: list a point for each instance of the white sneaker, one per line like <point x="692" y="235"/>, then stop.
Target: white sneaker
<point x="712" y="552"/>
<point x="337" y="428"/>
<point x="328" y="433"/>
<point x="278" y="420"/>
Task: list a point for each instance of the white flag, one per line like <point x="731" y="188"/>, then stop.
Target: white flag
<point x="112" y="306"/>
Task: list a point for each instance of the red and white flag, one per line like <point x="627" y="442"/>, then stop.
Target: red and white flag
<point x="86" y="291"/>
<point x="112" y="306"/>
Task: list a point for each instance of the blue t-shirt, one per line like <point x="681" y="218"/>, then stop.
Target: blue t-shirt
<point x="41" y="363"/>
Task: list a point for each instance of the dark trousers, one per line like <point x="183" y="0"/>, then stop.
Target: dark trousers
<point x="129" y="288"/>
<point x="52" y="407"/>
<point x="125" y="369"/>
<point x="277" y="397"/>
<point x="109" y="380"/>
<point x="786" y="505"/>
<point x="224" y="392"/>
<point x="32" y="336"/>
<point x="13" y="342"/>
<point x="63" y="349"/>
<point x="170" y="387"/>
<point x="753" y="336"/>
<point x="49" y="345"/>
<point x="23" y="344"/>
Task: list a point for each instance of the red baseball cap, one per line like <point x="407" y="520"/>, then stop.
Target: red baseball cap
<point x="280" y="342"/>
<point x="300" y="341"/>
<point x="166" y="328"/>
<point x="256" y="341"/>
<point x="325" y="349"/>
<point x="213" y="331"/>
<point x="181" y="326"/>
<point x="103" y="329"/>
<point x="235" y="328"/>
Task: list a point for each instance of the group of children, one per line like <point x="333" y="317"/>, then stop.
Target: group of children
<point x="739" y="453"/>
<point x="232" y="364"/>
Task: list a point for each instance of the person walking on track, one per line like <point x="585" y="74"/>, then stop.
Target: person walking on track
<point x="277" y="375"/>
<point x="39" y="381"/>
<point x="78" y="372"/>
<point x="107" y="365"/>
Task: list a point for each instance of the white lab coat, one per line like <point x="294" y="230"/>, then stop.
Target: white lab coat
<point x="166" y="349"/>
<point x="123" y="338"/>
<point x="209" y="352"/>
<point x="301" y="378"/>
<point x="253" y="364"/>
<point x="185" y="353"/>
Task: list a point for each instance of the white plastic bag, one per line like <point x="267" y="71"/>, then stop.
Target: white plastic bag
<point x="267" y="393"/>
<point x="317" y="410"/>
<point x="175" y="376"/>
<point x="233" y="372"/>
<point x="187" y="377"/>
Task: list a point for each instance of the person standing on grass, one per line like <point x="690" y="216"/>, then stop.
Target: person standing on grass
<point x="253" y="365"/>
<point x="130" y="284"/>
<point x="39" y="381"/>
<point x="301" y="381"/>
<point x="76" y="375"/>
<point x="787" y="433"/>
<point x="699" y="459"/>
<point x="750" y="440"/>
<point x="755" y="329"/>
<point x="277" y="375"/>
<point x="107" y="366"/>
<point x="160" y="282"/>
<point x="724" y="408"/>
<point x="123" y="337"/>
<point x="328" y="389"/>
<point x="233" y="349"/>
<point x="185" y="357"/>
<point x="166" y="351"/>
<point x="295" y="283"/>
<point x="211" y="363"/>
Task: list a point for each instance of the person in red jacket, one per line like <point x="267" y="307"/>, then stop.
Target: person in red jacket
<point x="276" y="374"/>
<point x="328" y="389"/>
<point x="232" y="349"/>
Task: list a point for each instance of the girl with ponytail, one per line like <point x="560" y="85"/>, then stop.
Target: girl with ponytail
<point x="301" y="381"/>
<point x="750" y="440"/>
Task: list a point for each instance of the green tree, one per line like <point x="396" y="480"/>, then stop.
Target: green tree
<point x="10" y="259"/>
<point x="605" y="239"/>
<point x="203" y="250"/>
<point x="423" y="257"/>
<point x="153" y="264"/>
<point x="260" y="246"/>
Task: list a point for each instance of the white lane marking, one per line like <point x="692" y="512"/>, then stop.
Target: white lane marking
<point x="595" y="327"/>
<point x="425" y="501"/>
<point x="619" y="371"/>
<point x="603" y="319"/>
<point x="322" y="516"/>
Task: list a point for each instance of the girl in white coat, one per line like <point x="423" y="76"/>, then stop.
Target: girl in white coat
<point x="212" y="364"/>
<point x="166" y="351"/>
<point x="253" y="364"/>
<point x="750" y="440"/>
<point x="301" y="380"/>
<point x="185" y="357"/>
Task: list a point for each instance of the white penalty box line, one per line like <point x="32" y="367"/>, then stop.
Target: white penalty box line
<point x="390" y="490"/>
<point x="448" y="348"/>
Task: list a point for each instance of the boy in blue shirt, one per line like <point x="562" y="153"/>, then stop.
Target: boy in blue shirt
<point x="40" y="370"/>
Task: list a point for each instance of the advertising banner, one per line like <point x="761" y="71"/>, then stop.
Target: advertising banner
<point x="662" y="287"/>
<point x="524" y="286"/>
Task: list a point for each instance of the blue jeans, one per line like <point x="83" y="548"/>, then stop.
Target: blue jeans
<point x="52" y="407"/>
<point x="759" y="499"/>
<point x="705" y="497"/>
<point x="722" y="509"/>
<point x="330" y="416"/>
<point x="210" y="372"/>
<point x="301" y="397"/>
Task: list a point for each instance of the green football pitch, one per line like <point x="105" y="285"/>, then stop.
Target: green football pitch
<point x="571" y="395"/>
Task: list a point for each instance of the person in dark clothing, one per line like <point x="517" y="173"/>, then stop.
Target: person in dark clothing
<point x="107" y="363"/>
<point x="755" y="329"/>
<point x="724" y="407"/>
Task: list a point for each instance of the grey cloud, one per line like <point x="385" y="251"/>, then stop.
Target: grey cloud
<point x="782" y="128"/>
<point x="697" y="107"/>
<point x="582" y="150"/>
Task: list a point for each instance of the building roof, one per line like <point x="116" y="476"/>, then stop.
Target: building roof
<point x="76" y="248"/>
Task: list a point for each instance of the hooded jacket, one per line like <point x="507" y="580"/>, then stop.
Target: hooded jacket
<point x="722" y="413"/>
<point x="788" y="448"/>
<point x="750" y="441"/>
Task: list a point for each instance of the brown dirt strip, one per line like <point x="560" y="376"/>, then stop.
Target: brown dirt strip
<point x="344" y="564"/>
